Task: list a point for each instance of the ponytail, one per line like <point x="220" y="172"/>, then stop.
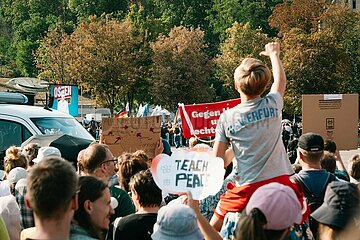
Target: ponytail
<point x="251" y="227"/>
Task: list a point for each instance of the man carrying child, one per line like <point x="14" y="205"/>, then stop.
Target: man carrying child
<point x="254" y="130"/>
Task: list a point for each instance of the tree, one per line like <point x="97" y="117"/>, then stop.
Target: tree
<point x="257" y="13"/>
<point x="26" y="39"/>
<point x="14" y="12"/>
<point x="24" y="63"/>
<point x="105" y="58"/>
<point x="26" y="23"/>
<point x="242" y="42"/>
<point x="314" y="63"/>
<point x="181" y="68"/>
<point x="51" y="58"/>
<point x="188" y="13"/>
<point x="45" y="7"/>
<point x="7" y="62"/>
<point x="344" y="25"/>
<point x="302" y="14"/>
<point x="321" y="48"/>
<point x="225" y="12"/>
<point x="86" y="8"/>
<point x="149" y="28"/>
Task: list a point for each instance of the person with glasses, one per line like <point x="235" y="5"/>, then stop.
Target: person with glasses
<point x="51" y="194"/>
<point x="98" y="161"/>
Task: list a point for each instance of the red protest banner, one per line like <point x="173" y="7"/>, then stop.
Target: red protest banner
<point x="201" y="119"/>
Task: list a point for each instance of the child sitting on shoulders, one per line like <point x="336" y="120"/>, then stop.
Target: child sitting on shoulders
<point x="254" y="130"/>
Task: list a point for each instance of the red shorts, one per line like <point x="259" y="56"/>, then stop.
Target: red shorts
<point x="236" y="198"/>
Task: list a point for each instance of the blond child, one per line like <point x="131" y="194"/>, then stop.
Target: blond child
<point x="254" y="130"/>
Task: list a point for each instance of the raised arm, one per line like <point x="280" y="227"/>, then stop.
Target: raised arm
<point x="206" y="229"/>
<point x="272" y="50"/>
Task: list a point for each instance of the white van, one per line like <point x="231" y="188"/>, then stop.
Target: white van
<point x="19" y="122"/>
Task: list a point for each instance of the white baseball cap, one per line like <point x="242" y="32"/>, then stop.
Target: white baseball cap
<point x="16" y="174"/>
<point x="46" y="152"/>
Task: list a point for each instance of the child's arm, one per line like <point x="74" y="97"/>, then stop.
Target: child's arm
<point x="220" y="149"/>
<point x="272" y="50"/>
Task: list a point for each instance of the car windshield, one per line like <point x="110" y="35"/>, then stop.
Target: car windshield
<point x="51" y="125"/>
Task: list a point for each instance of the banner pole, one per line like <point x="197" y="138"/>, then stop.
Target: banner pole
<point x="188" y="122"/>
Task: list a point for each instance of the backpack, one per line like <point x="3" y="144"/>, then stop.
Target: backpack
<point x="314" y="201"/>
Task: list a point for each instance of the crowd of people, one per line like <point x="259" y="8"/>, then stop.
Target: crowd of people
<point x="92" y="126"/>
<point x="269" y="192"/>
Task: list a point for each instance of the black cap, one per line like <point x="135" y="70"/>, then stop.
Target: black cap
<point x="311" y="142"/>
<point x="341" y="204"/>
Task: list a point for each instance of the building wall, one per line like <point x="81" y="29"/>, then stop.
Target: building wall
<point x="356" y="3"/>
<point x="353" y="4"/>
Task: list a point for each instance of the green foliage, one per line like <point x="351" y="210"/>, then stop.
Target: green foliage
<point x="27" y="22"/>
<point x="46" y="7"/>
<point x="106" y="58"/>
<point x="242" y="42"/>
<point x="26" y="41"/>
<point x="146" y="25"/>
<point x="314" y="35"/>
<point x="34" y="28"/>
<point x="315" y="63"/>
<point x="51" y="57"/>
<point x="4" y="48"/>
<point x="222" y="15"/>
<point x="225" y="12"/>
<point x="14" y="12"/>
<point x="301" y="14"/>
<point x="24" y="60"/>
<point x="181" y="68"/>
<point x="257" y="12"/>
<point x="188" y="13"/>
<point x="7" y="65"/>
<point x="86" y="8"/>
<point x="344" y="25"/>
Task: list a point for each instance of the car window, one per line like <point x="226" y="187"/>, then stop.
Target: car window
<point x="12" y="133"/>
<point x="52" y="125"/>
